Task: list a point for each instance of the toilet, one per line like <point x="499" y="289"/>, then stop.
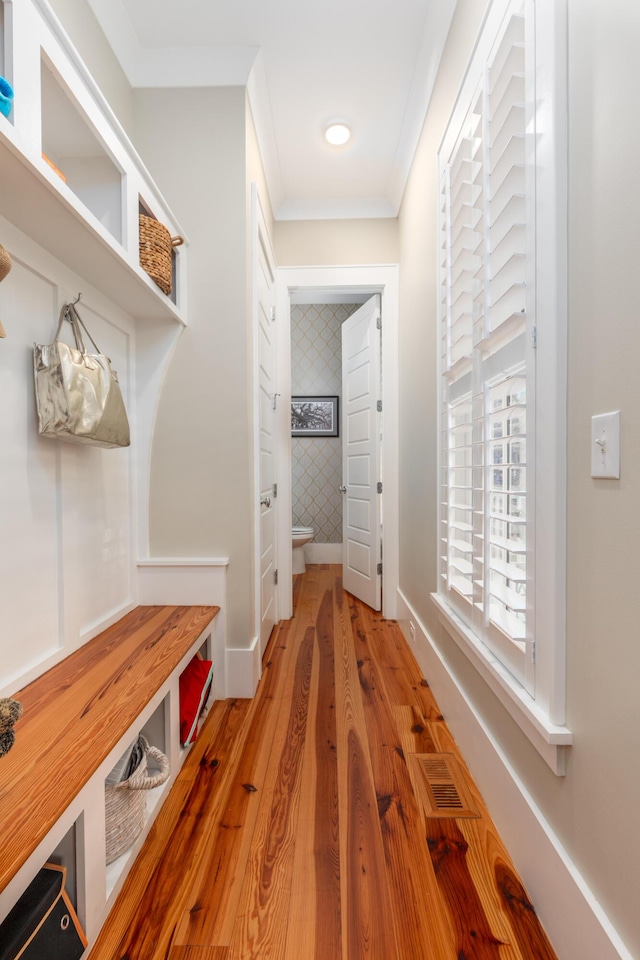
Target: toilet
<point x="300" y="536"/>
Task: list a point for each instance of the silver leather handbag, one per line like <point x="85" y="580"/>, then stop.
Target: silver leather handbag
<point x="78" y="396"/>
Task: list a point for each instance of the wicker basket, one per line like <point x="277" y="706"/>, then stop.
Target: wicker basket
<point x="126" y="802"/>
<point x="5" y="266"/>
<point x="5" y="262"/>
<point x="156" y="244"/>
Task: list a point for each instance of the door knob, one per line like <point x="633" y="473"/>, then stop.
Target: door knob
<point x="265" y="501"/>
<point x="342" y="489"/>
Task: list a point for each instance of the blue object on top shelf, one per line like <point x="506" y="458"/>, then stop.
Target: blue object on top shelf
<point x="6" y="96"/>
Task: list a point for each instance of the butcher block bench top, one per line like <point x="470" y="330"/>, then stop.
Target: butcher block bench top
<point x="76" y="713"/>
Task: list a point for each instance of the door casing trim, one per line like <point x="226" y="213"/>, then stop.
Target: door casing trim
<point x="260" y="237"/>
<point x="339" y="282"/>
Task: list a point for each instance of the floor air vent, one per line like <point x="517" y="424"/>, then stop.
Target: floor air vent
<point x="441" y="786"/>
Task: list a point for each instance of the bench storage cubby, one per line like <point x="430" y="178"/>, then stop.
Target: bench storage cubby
<point x="78" y="720"/>
<point x="43" y="923"/>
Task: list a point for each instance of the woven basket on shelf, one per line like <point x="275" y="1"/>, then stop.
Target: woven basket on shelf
<point x="126" y="802"/>
<point x="5" y="266"/>
<point x="156" y="244"/>
<point x="5" y="262"/>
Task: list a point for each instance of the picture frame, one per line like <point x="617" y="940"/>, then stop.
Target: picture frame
<point x="315" y="417"/>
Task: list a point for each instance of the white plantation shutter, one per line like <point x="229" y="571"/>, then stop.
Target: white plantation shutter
<point x="459" y="265"/>
<point x="487" y="234"/>
<point x="502" y="248"/>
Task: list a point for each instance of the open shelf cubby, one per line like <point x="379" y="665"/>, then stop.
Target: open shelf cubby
<point x="70" y="174"/>
<point x="66" y="855"/>
<point x="6" y="45"/>
<point x="155" y="730"/>
<point x="3" y="43"/>
<point x="42" y="919"/>
<point x="77" y="155"/>
<point x="145" y="210"/>
<point x="206" y="692"/>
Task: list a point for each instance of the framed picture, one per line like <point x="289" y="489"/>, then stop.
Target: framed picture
<point x="314" y="417"/>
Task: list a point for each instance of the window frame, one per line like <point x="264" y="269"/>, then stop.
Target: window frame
<point x="541" y="713"/>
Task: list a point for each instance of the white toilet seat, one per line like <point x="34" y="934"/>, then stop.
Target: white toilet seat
<point x="299" y="532"/>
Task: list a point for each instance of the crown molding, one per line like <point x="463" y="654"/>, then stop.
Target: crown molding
<point x="222" y="65"/>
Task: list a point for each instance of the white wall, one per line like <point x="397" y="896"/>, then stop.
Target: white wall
<point x="255" y="174"/>
<point x="592" y="810"/>
<point x="603" y="516"/>
<point x="333" y="242"/>
<point x="67" y="527"/>
<point x="194" y="144"/>
<point x="80" y="23"/>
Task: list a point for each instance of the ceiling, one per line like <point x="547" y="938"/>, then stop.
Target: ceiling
<point x="306" y="63"/>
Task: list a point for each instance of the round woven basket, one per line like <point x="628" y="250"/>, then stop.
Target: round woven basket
<point x="156" y="244"/>
<point x="5" y="262"/>
<point x="126" y="802"/>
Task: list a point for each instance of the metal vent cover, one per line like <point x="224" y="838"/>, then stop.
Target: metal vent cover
<point x="441" y="785"/>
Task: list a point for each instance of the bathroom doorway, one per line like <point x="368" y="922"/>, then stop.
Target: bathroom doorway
<point x="336" y="293"/>
<point x="316" y="447"/>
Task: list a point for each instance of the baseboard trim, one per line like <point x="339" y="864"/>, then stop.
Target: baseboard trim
<point x="323" y="553"/>
<point x="243" y="669"/>
<point x="576" y="924"/>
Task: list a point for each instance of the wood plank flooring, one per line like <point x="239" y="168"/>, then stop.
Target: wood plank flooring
<point x="297" y="830"/>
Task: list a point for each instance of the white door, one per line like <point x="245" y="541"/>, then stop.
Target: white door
<point x="361" y="515"/>
<point x="266" y="398"/>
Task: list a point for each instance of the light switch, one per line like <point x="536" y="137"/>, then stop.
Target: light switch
<point x="605" y="445"/>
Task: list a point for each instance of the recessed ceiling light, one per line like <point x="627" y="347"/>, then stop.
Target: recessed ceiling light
<point x="337" y="134"/>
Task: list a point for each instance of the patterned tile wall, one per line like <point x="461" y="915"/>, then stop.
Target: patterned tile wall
<point x="316" y="370"/>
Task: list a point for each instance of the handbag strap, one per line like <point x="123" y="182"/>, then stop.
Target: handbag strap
<point x="80" y="323"/>
<point x="69" y="313"/>
<point x="77" y="336"/>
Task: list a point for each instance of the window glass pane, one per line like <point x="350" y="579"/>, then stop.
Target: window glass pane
<point x="506" y="583"/>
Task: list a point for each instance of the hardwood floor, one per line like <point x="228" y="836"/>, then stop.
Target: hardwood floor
<point x="303" y="824"/>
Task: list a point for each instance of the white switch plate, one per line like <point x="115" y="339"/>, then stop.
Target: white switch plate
<point x="605" y="446"/>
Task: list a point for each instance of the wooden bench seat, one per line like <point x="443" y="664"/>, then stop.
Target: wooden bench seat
<point x="76" y="713"/>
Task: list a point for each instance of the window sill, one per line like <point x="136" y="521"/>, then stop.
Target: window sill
<point x="550" y="740"/>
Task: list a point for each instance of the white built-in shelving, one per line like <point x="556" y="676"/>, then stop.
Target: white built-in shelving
<point x="77" y="840"/>
<point x="159" y="724"/>
<point x="85" y="212"/>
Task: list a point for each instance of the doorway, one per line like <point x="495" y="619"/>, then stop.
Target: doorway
<point x="353" y="285"/>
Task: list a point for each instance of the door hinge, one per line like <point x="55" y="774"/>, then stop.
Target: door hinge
<point x="532" y="654"/>
<point x="379" y="486"/>
<point x="379" y="406"/>
<point x="534" y="338"/>
<point x="273" y="314"/>
<point x="379" y="568"/>
<point x="275" y="490"/>
<point x="379" y="323"/>
<point x="275" y="576"/>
